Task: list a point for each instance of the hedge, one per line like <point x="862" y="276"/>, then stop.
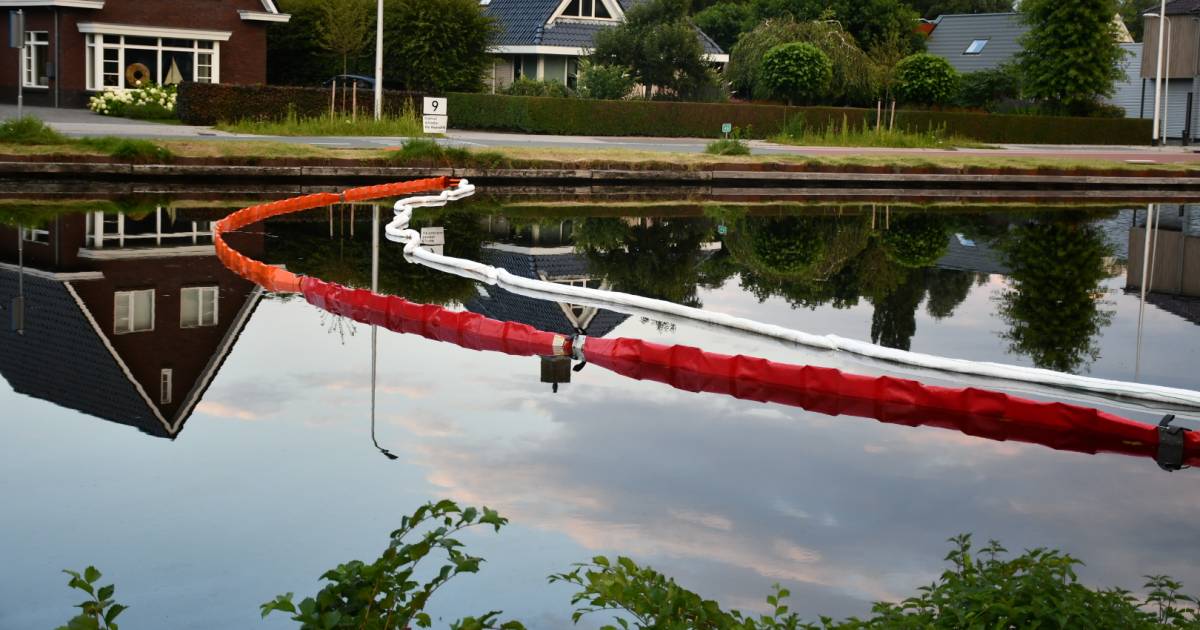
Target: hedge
<point x="207" y="104"/>
<point x="671" y="119"/>
<point x="211" y="103"/>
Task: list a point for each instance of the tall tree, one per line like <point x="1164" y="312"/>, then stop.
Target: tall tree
<point x="436" y="45"/>
<point x="1071" y="56"/>
<point x="932" y="8"/>
<point x="659" y="43"/>
<point x="345" y="27"/>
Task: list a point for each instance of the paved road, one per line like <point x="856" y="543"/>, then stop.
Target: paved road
<point x="77" y="122"/>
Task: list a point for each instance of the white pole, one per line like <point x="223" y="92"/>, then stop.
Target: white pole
<point x="379" y="60"/>
<point x="1162" y="12"/>
<point x="1167" y="85"/>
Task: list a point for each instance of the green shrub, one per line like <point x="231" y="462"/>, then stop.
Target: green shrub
<point x="406" y="124"/>
<point x="834" y="134"/>
<point x="700" y="120"/>
<point x="128" y="149"/>
<point x="796" y="72"/>
<point x="727" y="146"/>
<point x="29" y="130"/>
<point x="604" y="82"/>
<point x="925" y="79"/>
<point x="98" y="611"/>
<point x="987" y="89"/>
<point x="529" y="87"/>
<point x="725" y="21"/>
<point x="212" y="103"/>
<point x="149" y="102"/>
<point x="430" y="152"/>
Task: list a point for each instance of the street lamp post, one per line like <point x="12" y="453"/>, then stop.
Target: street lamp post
<point x="379" y="61"/>
<point x="1159" y="67"/>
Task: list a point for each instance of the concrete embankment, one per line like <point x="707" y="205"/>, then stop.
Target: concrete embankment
<point x="717" y="179"/>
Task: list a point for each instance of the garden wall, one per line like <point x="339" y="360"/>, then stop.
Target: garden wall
<point x="206" y="104"/>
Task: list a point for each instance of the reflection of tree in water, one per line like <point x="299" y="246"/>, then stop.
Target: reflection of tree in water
<point x="657" y="258"/>
<point x="305" y="247"/>
<point x="947" y="288"/>
<point x="1053" y="303"/>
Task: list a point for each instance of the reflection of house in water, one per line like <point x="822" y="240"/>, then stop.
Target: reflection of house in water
<point x="1174" y="265"/>
<point x="554" y="264"/>
<point x="965" y="254"/>
<point x="126" y="318"/>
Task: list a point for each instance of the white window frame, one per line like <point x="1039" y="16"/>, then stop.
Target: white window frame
<point x="971" y="48"/>
<point x="215" y="293"/>
<point x="130" y="296"/>
<point x="166" y="386"/>
<point x="614" y="12"/>
<point x="35" y="235"/>
<point x="98" y="43"/>
<point x="37" y="46"/>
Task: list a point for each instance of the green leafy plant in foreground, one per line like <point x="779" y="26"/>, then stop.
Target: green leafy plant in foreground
<point x="29" y="130"/>
<point x="99" y="612"/>
<point x="384" y="594"/>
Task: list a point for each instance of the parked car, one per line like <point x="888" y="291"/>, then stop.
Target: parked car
<point x="346" y="81"/>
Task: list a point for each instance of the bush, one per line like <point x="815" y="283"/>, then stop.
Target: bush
<point x="128" y="149"/>
<point x="529" y="87"/>
<point x="29" y="130"/>
<point x="673" y="119"/>
<point x="796" y="72"/>
<point x="724" y="22"/>
<point x="856" y="77"/>
<point x="727" y="146"/>
<point x="211" y="103"/>
<point x="925" y="79"/>
<point x="604" y="82"/>
<point x="987" y="89"/>
<point x="151" y="102"/>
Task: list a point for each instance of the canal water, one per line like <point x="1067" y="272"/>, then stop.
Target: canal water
<point x="209" y="446"/>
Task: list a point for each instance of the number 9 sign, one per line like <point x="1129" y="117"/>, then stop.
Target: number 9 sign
<point x="434" y="106"/>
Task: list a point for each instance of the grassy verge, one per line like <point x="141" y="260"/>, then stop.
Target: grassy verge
<point x="31" y="132"/>
<point x="407" y="125"/>
<point x="727" y="146"/>
<point x="797" y="132"/>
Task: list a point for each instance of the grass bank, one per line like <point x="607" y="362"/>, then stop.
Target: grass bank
<point x="31" y="133"/>
<point x="799" y="132"/>
<point x="407" y="125"/>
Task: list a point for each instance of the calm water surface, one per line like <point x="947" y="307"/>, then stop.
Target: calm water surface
<point x="208" y="446"/>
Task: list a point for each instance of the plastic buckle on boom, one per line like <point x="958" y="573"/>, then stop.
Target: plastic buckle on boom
<point x="1170" y="445"/>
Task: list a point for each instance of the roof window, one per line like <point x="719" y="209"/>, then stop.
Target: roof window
<point x="587" y="9"/>
<point x="976" y="47"/>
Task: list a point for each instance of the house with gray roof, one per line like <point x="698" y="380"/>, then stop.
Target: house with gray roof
<point x="543" y="40"/>
<point x="972" y="42"/>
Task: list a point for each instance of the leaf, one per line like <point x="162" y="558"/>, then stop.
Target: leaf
<point x="113" y="611"/>
<point x="91" y="574"/>
<point x="106" y="592"/>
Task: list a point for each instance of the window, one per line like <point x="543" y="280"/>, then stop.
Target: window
<point x="976" y="47"/>
<point x="518" y="67"/>
<point x="37" y="59"/>
<point x="166" y="61"/>
<point x="198" y="307"/>
<point x="587" y="9"/>
<point x="134" y="311"/>
<point x="164" y="386"/>
<point x="34" y="235"/>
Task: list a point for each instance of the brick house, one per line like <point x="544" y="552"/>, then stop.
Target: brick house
<point x="74" y="48"/>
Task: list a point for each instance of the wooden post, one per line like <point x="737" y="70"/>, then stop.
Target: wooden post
<point x="354" y="103"/>
<point x="892" y="125"/>
<point x="332" y="98"/>
<point x="879" y="116"/>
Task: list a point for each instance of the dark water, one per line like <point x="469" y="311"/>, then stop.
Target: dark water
<point x="249" y="468"/>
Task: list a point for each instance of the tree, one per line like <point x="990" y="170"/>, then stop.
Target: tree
<point x="855" y="76"/>
<point x="797" y="72"/>
<point x="932" y="8"/>
<point x="294" y="56"/>
<point x="925" y="79"/>
<point x="725" y="22"/>
<point x="604" y="82"/>
<point x="1071" y="56"/>
<point x="659" y="44"/>
<point x="345" y="28"/>
<point x="1053" y="303"/>
<point x="436" y="45"/>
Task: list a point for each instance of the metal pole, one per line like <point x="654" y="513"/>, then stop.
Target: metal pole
<point x="379" y="60"/>
<point x="18" y="303"/>
<point x="1162" y="12"/>
<point x="375" y="329"/>
<point x="1167" y="85"/>
<point x="1137" y="363"/>
<point x="21" y="67"/>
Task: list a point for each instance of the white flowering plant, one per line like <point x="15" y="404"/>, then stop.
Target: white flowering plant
<point x="147" y="102"/>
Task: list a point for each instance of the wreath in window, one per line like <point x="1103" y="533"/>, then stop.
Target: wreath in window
<point x="137" y="74"/>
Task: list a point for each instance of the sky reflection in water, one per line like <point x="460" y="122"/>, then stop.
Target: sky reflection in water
<point x="273" y="478"/>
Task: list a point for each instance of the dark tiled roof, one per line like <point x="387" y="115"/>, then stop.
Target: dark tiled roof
<point x="523" y="23"/>
<point x="978" y="258"/>
<point x="60" y="358"/>
<point x="1177" y="7"/>
<point x="498" y="303"/>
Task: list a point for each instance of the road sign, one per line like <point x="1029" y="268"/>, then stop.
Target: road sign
<point x="16" y="29"/>
<point x="433" y="236"/>
<point x="435" y="106"/>
<point x="434" y="124"/>
<point x="726" y="127"/>
<point x="722" y="230"/>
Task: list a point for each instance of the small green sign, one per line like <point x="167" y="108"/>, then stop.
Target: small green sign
<point x="726" y="127"/>
<point x="722" y="230"/>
